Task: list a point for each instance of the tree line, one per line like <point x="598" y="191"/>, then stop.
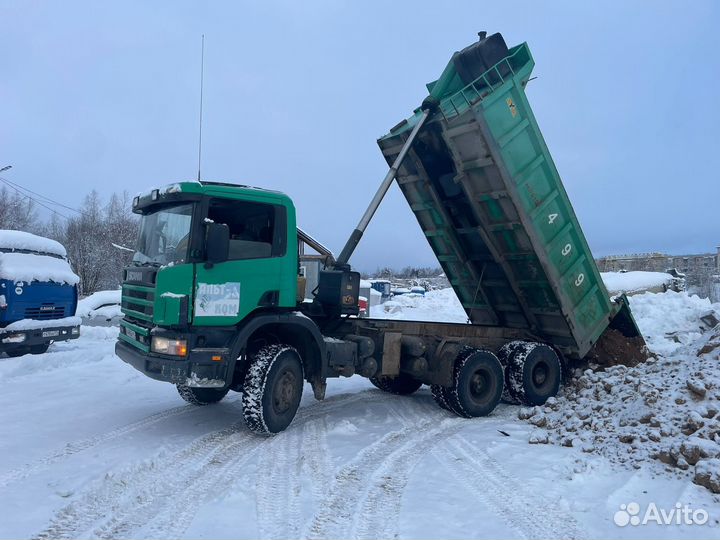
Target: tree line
<point x="93" y="235"/>
<point x="409" y="272"/>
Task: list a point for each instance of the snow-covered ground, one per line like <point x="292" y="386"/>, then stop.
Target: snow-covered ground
<point x="91" y="448"/>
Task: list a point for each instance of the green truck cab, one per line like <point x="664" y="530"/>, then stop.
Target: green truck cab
<point x="212" y="260"/>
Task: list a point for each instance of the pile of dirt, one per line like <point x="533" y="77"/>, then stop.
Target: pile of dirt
<point x="666" y="409"/>
<point x="613" y="349"/>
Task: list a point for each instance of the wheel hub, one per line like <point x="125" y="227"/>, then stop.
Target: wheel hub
<point x="478" y="384"/>
<point x="540" y="374"/>
<point x="284" y="392"/>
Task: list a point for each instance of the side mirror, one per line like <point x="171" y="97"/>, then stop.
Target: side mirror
<point x="217" y="242"/>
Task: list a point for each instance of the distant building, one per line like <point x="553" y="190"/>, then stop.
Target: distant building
<point x="704" y="263"/>
<point x="702" y="270"/>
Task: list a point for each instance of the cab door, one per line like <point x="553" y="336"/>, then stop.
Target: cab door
<point x="254" y="274"/>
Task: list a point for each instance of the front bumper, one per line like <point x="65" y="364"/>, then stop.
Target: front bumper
<point x="18" y="339"/>
<point x="197" y="369"/>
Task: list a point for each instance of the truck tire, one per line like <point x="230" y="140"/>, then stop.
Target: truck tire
<point x="505" y="356"/>
<point x="439" y="394"/>
<point x="534" y="374"/>
<point x="201" y="396"/>
<point x="39" y="349"/>
<point x="272" y="389"/>
<point x="477" y="384"/>
<point x="401" y="385"/>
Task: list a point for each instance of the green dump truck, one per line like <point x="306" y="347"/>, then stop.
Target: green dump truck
<point x="214" y="301"/>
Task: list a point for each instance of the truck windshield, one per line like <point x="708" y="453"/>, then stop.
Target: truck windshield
<point x="164" y="236"/>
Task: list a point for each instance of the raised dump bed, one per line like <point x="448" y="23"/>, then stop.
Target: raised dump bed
<point x="483" y="187"/>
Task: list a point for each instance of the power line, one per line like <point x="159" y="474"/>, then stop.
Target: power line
<point x="47" y="199"/>
<point x="33" y="199"/>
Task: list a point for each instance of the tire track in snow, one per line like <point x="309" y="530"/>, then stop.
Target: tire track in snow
<point x="82" y="445"/>
<point x="495" y="487"/>
<point x="277" y="488"/>
<point x="115" y="506"/>
<point x="316" y="458"/>
<point x="375" y="480"/>
<point x="382" y="502"/>
<point x="175" y="520"/>
<point x="171" y="488"/>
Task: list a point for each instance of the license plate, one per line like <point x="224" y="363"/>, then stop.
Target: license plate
<point x="51" y="333"/>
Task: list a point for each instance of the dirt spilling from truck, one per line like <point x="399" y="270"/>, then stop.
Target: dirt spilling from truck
<point x="613" y="348"/>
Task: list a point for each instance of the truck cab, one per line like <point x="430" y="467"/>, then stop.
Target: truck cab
<point x="38" y="294"/>
<point x="209" y="257"/>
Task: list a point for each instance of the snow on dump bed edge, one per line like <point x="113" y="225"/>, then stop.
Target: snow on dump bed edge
<point x="28" y="267"/>
<point x="24" y="240"/>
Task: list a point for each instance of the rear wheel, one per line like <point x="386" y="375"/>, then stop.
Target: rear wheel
<point x="505" y="355"/>
<point x="533" y="374"/>
<point x="402" y="384"/>
<point x="439" y="394"/>
<point x="201" y="396"/>
<point x="477" y="384"/>
<point x="272" y="389"/>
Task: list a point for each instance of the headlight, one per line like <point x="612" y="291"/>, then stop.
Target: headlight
<point x="75" y="330"/>
<point x="176" y="347"/>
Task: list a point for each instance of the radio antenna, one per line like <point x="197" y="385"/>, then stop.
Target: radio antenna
<point x="202" y="70"/>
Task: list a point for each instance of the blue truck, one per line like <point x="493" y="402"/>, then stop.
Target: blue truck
<point x="38" y="294"/>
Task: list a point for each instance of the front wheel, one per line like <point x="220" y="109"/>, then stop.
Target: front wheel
<point x="201" y="396"/>
<point x="272" y="389"/>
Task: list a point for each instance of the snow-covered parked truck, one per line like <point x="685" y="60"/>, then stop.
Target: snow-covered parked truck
<point x="213" y="299"/>
<point x="38" y="294"/>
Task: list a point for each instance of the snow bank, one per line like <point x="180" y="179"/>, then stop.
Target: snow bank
<point x="440" y="305"/>
<point x="665" y="410"/>
<point x="672" y="319"/>
<point x="627" y="282"/>
<point x="87" y="307"/>
<point x="27" y="267"/>
<point x="20" y="240"/>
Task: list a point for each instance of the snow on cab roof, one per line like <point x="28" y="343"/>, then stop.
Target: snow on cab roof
<point x="29" y="267"/>
<point x="20" y="240"/>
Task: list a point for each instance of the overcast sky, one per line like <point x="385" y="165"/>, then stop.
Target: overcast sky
<point x="105" y="95"/>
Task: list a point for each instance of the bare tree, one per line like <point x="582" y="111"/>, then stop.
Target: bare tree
<point x="17" y="212"/>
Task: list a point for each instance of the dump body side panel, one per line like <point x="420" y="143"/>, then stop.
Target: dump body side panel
<point x="486" y="193"/>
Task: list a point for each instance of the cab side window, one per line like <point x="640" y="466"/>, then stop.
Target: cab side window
<point x="257" y="230"/>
